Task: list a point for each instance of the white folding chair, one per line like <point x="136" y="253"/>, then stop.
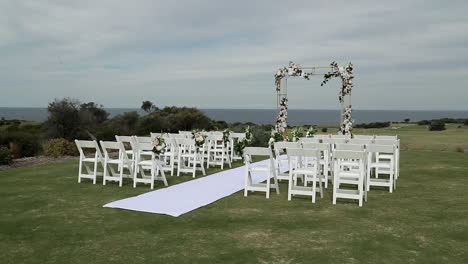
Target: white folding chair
<point x="170" y="155"/>
<point x="146" y="160"/>
<point x="189" y="159"/>
<point x="282" y="160"/>
<point x="234" y="137"/>
<point x="122" y="162"/>
<point x="269" y="169"/>
<point x="396" y="143"/>
<point x="127" y="141"/>
<point x="217" y="153"/>
<point x="381" y="158"/>
<point x="349" y="169"/>
<point x="82" y="146"/>
<point x="308" y="165"/>
<point x="324" y="159"/>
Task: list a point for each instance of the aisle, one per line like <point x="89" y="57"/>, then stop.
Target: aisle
<point x="187" y="196"/>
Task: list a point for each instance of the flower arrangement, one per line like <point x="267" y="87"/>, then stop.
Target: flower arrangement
<point x="347" y="125"/>
<point x="291" y="70"/>
<point x="282" y="116"/>
<point x="275" y="136"/>
<point x="159" y="146"/>
<point x="310" y="132"/>
<point x="199" y="138"/>
<point x="226" y="133"/>
<point x="345" y="73"/>
<point x="241" y="143"/>
<point x="297" y="133"/>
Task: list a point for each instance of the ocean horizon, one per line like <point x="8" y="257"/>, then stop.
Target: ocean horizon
<point x="267" y="116"/>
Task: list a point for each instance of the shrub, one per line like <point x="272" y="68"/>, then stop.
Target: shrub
<point x="6" y="157"/>
<point x="459" y="149"/>
<point x="324" y="130"/>
<point x="437" y="125"/>
<point x="373" y="125"/>
<point x="424" y="122"/>
<point x="24" y="144"/>
<point x="59" y="147"/>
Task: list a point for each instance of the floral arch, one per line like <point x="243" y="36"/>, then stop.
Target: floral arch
<point x="344" y="73"/>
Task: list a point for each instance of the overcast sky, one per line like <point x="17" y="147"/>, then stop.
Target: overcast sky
<point x="223" y="54"/>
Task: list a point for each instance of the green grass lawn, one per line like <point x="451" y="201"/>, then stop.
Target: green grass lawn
<point x="47" y="217"/>
<point x="415" y="137"/>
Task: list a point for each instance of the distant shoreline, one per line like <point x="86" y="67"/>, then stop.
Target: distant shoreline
<point x="267" y="116"/>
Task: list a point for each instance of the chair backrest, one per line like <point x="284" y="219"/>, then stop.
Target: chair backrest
<point x="319" y="146"/>
<point x="369" y="137"/>
<point x="389" y="149"/>
<point x="258" y="151"/>
<point x="144" y="146"/>
<point x="321" y="136"/>
<point x="123" y="139"/>
<point x="303" y="157"/>
<point x="339" y="136"/>
<point x="303" y="152"/>
<point x="348" y="154"/>
<point x="334" y="141"/>
<point x="185" y="132"/>
<point x="352" y="147"/>
<point x="361" y="141"/>
<point x="88" y="144"/>
<point x="386" y="142"/>
<point x="309" y="140"/>
<point x="387" y="137"/>
<point x="143" y="139"/>
<point x="237" y="135"/>
<point x="286" y="144"/>
<point x="111" y="145"/>
<point x="173" y="135"/>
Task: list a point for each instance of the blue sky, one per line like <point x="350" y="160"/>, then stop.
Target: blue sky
<point x="223" y="54"/>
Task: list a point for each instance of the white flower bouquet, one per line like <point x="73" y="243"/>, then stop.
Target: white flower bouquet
<point x="159" y="146"/>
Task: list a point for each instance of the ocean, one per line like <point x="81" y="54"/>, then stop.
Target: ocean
<point x="267" y="116"/>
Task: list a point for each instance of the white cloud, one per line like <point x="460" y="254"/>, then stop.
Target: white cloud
<point x="121" y="52"/>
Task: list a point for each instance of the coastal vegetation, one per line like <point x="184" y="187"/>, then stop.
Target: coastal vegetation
<point x="70" y="119"/>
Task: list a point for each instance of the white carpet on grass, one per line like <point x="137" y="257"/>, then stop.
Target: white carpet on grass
<point x="182" y="198"/>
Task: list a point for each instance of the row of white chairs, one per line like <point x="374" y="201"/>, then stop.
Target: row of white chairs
<point x="345" y="164"/>
<point x="141" y="165"/>
<point x="135" y="156"/>
<point x="233" y="138"/>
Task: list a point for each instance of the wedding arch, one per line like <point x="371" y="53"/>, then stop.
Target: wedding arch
<point x="344" y="73"/>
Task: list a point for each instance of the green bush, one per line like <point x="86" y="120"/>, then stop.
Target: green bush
<point x="26" y="144"/>
<point x="59" y="147"/>
<point x="6" y="157"/>
<point x="437" y="125"/>
<point x="324" y="130"/>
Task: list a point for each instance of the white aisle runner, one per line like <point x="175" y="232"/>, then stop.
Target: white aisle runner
<point x="187" y="196"/>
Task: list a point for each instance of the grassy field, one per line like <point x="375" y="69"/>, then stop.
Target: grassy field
<point x="47" y="217"/>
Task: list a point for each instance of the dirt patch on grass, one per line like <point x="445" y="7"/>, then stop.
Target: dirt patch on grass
<point x="32" y="161"/>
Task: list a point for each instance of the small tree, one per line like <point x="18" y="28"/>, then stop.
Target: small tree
<point x="407" y="120"/>
<point x="148" y="106"/>
<point x="437" y="125"/>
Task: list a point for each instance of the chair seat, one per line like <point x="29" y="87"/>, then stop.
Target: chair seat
<point x="384" y="165"/>
<point x="386" y="156"/>
<point x="90" y="159"/>
<point x="304" y="171"/>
